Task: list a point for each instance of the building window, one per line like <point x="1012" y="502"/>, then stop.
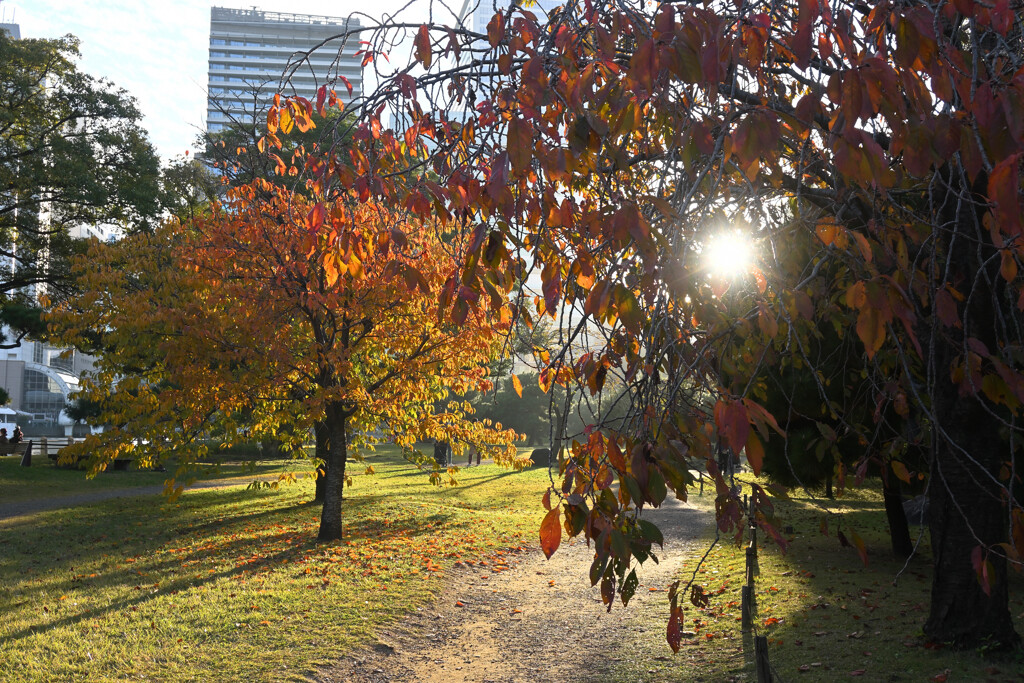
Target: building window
<point x="65" y="362"/>
<point x="37" y="353"/>
<point x="217" y="41"/>
<point x="42" y="396"/>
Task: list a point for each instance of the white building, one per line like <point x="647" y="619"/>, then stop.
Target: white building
<point x="250" y="50"/>
<point x="481" y="11"/>
<point x="39" y="379"/>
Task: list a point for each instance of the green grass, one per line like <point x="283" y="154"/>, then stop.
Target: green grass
<point x="44" y="480"/>
<point x="826" y="616"/>
<point x="229" y="584"/>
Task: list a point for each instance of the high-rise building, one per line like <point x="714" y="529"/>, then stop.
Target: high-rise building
<point x="482" y="11"/>
<point x="250" y="49"/>
<point x="8" y="26"/>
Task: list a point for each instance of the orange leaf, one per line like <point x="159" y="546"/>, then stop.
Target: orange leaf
<point x="755" y="453"/>
<point x="871" y="329"/>
<point x="517" y="385"/>
<point x="901" y="471"/>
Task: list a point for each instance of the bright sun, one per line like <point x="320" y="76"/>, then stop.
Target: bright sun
<point x="729" y="254"/>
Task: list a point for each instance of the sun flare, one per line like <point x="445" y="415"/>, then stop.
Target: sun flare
<point x="729" y="254"/>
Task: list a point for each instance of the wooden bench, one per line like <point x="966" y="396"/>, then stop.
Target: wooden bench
<point x="14" y="448"/>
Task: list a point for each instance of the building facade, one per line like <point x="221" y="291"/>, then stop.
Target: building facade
<point x="39" y="379"/>
<point x="481" y="11"/>
<point x="250" y="49"/>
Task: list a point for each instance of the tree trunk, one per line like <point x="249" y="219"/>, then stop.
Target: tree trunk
<point x="442" y="453"/>
<point x="322" y="444"/>
<point x="899" y="530"/>
<point x="334" y="485"/>
<point x="965" y="511"/>
<point x="967" y="505"/>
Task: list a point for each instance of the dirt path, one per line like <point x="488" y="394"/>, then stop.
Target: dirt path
<point x="29" y="507"/>
<point x="539" y="621"/>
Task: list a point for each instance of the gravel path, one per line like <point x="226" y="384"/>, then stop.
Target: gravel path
<point x="539" y="621"/>
<point x="30" y="507"/>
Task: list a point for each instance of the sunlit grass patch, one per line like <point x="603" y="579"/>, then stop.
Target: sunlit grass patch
<point x="229" y="584"/>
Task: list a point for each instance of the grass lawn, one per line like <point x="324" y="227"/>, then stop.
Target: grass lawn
<point x="827" y="617"/>
<point x="229" y="584"/>
<point x="44" y="480"/>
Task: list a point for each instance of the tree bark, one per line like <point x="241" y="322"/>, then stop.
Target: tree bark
<point x="966" y="511"/>
<point x="442" y="453"/>
<point x="322" y="444"/>
<point x="899" y="530"/>
<point x="334" y="485"/>
<point x="967" y="505"/>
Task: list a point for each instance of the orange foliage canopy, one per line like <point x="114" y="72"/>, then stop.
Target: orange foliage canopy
<point x="274" y="313"/>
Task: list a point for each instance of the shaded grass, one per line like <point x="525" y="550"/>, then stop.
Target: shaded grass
<point x="826" y="616"/>
<point x="229" y="585"/>
<point x="45" y="480"/>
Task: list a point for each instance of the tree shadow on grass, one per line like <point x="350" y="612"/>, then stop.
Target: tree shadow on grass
<point x="232" y="547"/>
<point x="849" y="616"/>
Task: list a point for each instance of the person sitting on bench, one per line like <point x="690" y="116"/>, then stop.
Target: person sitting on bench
<point x="3" y="436"/>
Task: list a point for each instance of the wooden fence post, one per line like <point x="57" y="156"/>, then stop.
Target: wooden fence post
<point x="747" y="608"/>
<point x="763" y="667"/>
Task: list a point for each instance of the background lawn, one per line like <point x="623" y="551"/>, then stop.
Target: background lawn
<point x="44" y="480"/>
<point x="229" y="584"/>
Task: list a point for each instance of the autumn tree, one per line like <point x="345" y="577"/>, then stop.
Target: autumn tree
<point x="275" y="310"/>
<point x="71" y="153"/>
<point x="608" y="145"/>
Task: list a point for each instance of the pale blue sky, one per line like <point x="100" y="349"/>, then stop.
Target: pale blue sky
<point x="157" y="51"/>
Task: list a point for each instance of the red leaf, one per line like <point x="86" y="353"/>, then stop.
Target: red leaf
<point x="550" y="533"/>
<point x="315" y="217"/>
<point x="674" y="632"/>
<point x="423" y="52"/>
<point x="520" y="144"/>
<point x="733" y="423"/>
<point x="1008" y="265"/>
<point x="945" y="308"/>
<point x="1003" y="186"/>
<point x="981" y="569"/>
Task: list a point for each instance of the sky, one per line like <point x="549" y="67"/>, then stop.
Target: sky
<point x="157" y="51"/>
